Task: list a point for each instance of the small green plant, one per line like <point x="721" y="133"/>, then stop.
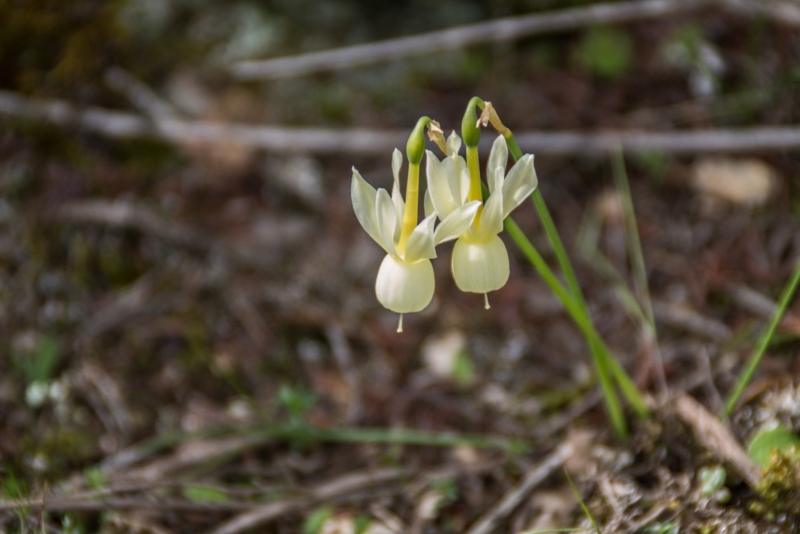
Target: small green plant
<point x="766" y="443"/>
<point x="297" y="402"/>
<point x="314" y="521"/>
<point x="39" y="364"/>
<point x="605" y="52"/>
<point x="204" y="494"/>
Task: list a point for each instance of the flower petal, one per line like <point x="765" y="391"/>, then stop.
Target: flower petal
<point x="491" y="221"/>
<point x="453" y="144"/>
<point x="428" y="204"/>
<point x="363" y="197"/>
<point x="386" y="221"/>
<point x="397" y="195"/>
<point x="455" y="169"/>
<point x="456" y="223"/>
<point x="498" y="157"/>
<point x="404" y="287"/>
<point x="519" y="184"/>
<point x="438" y="186"/>
<point x="420" y="242"/>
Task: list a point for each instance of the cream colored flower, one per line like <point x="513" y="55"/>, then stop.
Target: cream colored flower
<point x="480" y="259"/>
<point x="405" y="281"/>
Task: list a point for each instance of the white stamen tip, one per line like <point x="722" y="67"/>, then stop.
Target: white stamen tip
<point x="486" y="301"/>
<point x="400" y="325"/>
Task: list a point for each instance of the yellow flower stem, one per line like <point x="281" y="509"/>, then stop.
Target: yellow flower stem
<point x="412" y="207"/>
<point x="473" y="164"/>
<point x="471" y="134"/>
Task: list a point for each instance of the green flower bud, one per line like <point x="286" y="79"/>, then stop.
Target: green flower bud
<point x="416" y="141"/>
<point x="470" y="131"/>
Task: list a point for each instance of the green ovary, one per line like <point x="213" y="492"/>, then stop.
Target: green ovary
<point x="480" y="266"/>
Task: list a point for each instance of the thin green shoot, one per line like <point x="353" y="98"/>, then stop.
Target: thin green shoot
<point x="585" y="508"/>
<point x="613" y="406"/>
<point x="640" y="284"/>
<point x="606" y="364"/>
<point x="763" y="342"/>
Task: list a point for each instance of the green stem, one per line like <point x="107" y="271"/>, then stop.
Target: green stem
<point x="612" y="402"/>
<point x="603" y="358"/>
<point x="763" y="342"/>
<point x="641" y="287"/>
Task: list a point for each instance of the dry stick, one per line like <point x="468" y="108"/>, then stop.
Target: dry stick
<point x="690" y="320"/>
<point x="716" y="438"/>
<point x="517" y="494"/>
<point x="344" y="360"/>
<point x="140" y="95"/>
<point x="130" y="503"/>
<point x="380" y="142"/>
<point x="123" y="214"/>
<point x="499" y="30"/>
<point x="262" y="514"/>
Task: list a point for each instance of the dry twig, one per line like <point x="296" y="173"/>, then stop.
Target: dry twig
<point x="123" y="214"/>
<point x="120" y="125"/>
<point x="514" y="497"/>
<point x="716" y="438"/>
<point x="259" y="515"/>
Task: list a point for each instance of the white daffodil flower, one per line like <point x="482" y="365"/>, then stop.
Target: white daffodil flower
<point x="405" y="281"/>
<point x="480" y="259"/>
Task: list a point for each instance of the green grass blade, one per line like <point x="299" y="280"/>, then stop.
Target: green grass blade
<point x="763" y="342"/>
<point x="581" y="320"/>
<point x="640" y="284"/>
<point x="585" y="508"/>
<point x="603" y="359"/>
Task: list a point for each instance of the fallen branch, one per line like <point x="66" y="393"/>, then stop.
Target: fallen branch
<point x="124" y="214"/>
<point x="259" y="515"/>
<point x="380" y="142"/>
<point x="518" y="493"/>
<point x="499" y="30"/>
<point x="716" y="438"/>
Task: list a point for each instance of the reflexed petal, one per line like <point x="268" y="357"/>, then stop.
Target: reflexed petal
<point x="463" y="184"/>
<point x="404" y="287"/>
<point x="491" y="221"/>
<point x="387" y="221"/>
<point x="397" y="195"/>
<point x="519" y="184"/>
<point x="453" y="144"/>
<point x="496" y="180"/>
<point x="454" y="168"/>
<point x="397" y="162"/>
<point x="420" y="242"/>
<point x="498" y="157"/>
<point x="363" y="197"/>
<point x="428" y="204"/>
<point x="480" y="266"/>
<point x="438" y="187"/>
<point x="456" y="223"/>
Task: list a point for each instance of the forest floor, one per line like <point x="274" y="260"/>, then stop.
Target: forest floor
<point x="190" y="336"/>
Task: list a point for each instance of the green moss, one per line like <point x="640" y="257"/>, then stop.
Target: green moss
<point x="779" y="487"/>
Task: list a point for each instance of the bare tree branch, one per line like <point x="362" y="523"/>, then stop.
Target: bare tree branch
<point x="380" y="142"/>
<point x="499" y="30"/>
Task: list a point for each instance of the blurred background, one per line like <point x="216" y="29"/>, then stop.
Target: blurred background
<point x="178" y="251"/>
